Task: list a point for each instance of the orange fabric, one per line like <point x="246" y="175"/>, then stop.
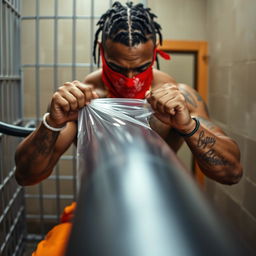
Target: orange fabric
<point x="56" y="239"/>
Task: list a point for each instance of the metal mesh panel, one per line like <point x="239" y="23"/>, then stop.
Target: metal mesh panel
<point x="12" y="217"/>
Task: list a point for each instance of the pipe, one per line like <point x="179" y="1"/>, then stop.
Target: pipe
<point x="15" y="130"/>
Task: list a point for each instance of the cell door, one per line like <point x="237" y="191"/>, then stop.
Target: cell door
<point x="189" y="66"/>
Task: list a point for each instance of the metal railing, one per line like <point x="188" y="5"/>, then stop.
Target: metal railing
<point x="12" y="210"/>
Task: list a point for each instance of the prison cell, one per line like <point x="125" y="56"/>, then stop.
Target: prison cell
<point x="12" y="211"/>
<point x="28" y="77"/>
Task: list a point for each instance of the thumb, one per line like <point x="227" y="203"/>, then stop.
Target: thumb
<point x="147" y="94"/>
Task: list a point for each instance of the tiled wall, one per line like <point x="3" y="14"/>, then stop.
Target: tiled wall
<point x="231" y="28"/>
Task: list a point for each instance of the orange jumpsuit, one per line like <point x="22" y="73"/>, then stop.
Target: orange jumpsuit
<point x="55" y="241"/>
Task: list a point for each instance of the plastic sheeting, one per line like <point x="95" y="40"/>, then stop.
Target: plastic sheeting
<point x="135" y="198"/>
<point x="108" y="123"/>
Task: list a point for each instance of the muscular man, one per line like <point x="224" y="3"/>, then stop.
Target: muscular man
<point x="128" y="45"/>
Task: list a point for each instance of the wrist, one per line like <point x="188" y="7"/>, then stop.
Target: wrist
<point x="50" y="124"/>
<point x="191" y="129"/>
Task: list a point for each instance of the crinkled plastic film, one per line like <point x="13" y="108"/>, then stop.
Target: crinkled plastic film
<point x="106" y="124"/>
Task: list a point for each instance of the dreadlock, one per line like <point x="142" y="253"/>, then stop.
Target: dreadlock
<point x="129" y="25"/>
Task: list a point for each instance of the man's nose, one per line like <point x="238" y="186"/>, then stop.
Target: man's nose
<point x="130" y="74"/>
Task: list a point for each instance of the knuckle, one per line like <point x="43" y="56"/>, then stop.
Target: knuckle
<point x="67" y="84"/>
<point x="73" y="101"/>
<point x="182" y="97"/>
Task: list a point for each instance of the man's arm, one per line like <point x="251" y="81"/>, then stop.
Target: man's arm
<point x="217" y="155"/>
<point x="37" y="154"/>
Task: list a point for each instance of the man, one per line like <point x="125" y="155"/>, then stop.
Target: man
<point x="128" y="51"/>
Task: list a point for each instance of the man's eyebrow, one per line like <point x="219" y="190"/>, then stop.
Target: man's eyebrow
<point x="122" y="68"/>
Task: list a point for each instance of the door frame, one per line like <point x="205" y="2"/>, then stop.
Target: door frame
<point x="200" y="49"/>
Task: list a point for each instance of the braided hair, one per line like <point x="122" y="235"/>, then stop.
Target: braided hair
<point x="129" y="25"/>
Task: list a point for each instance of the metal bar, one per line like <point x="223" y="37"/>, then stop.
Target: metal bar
<point x="19" y="245"/>
<point x="49" y="196"/>
<point x="1" y="38"/>
<point x="74" y="41"/>
<point x="8" y="236"/>
<point x="10" y="204"/>
<point x="11" y="42"/>
<point x="92" y="34"/>
<point x="6" y="78"/>
<point x="37" y="61"/>
<point x="59" y="17"/>
<point x="80" y="65"/>
<point x="55" y="85"/>
<point x="8" y="3"/>
<point x="6" y="45"/>
<point x="73" y="78"/>
<point x="37" y="78"/>
<point x="46" y="216"/>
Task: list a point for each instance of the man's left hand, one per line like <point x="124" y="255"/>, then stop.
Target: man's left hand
<point x="170" y="107"/>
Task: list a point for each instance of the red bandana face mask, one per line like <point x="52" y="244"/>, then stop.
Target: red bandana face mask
<point x="121" y="86"/>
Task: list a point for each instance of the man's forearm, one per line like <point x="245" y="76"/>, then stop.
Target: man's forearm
<point x="218" y="156"/>
<point x="34" y="155"/>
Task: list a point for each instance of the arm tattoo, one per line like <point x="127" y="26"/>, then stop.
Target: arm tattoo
<point x="206" y="123"/>
<point x="189" y="98"/>
<point x="204" y="141"/>
<point x="200" y="99"/>
<point x="210" y="156"/>
<point x="213" y="158"/>
<point x="44" y="143"/>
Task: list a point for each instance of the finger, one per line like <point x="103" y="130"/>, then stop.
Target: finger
<point x="78" y="94"/>
<point x="71" y="99"/>
<point x="95" y="95"/>
<point x="61" y="102"/>
<point x="176" y="104"/>
<point x="160" y="99"/>
<point x="166" y="87"/>
<point x="87" y="91"/>
<point x="162" y="103"/>
<point x="147" y="94"/>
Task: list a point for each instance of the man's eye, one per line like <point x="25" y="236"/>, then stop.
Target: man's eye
<point x="140" y="70"/>
<point x="117" y="69"/>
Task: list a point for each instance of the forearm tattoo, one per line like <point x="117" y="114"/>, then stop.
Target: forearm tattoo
<point x="208" y="124"/>
<point x="44" y="142"/>
<point x="188" y="97"/>
<point x="210" y="156"/>
<point x="191" y="100"/>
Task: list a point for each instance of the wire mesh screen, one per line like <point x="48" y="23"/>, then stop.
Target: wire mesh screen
<point x="12" y="216"/>
<point x="57" y="42"/>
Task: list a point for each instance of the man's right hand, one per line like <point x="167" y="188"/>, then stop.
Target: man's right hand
<point x="67" y="100"/>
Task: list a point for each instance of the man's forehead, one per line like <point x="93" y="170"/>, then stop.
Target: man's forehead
<point x="115" y="50"/>
<point x="112" y="47"/>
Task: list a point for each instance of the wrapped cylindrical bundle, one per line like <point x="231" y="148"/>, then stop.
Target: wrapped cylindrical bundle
<point x="135" y="198"/>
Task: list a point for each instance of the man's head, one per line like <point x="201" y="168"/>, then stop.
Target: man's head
<point x="129" y="25"/>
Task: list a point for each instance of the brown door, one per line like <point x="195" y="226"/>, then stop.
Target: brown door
<point x="189" y="66"/>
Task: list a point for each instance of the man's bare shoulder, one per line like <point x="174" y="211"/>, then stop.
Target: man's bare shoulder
<point x="94" y="79"/>
<point x="161" y="78"/>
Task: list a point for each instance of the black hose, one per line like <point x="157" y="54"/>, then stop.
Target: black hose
<point x="14" y="130"/>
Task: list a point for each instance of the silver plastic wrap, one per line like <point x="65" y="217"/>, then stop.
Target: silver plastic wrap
<point x="105" y="126"/>
<point x="135" y="198"/>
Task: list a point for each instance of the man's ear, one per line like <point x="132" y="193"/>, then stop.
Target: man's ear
<point x="157" y="43"/>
